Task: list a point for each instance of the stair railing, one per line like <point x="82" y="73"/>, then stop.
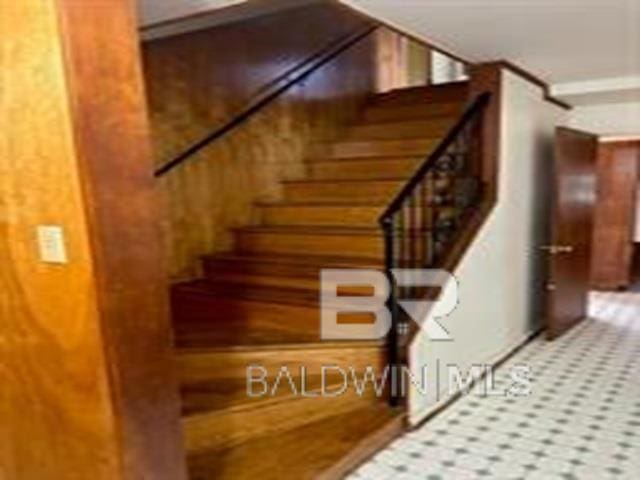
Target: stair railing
<point x="273" y="90"/>
<point x="425" y="219"/>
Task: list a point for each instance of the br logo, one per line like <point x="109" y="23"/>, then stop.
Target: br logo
<point x="425" y="313"/>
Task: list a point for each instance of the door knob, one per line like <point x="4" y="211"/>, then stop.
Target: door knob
<point x="555" y="249"/>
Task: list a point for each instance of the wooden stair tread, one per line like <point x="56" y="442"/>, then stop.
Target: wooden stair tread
<point x="283" y="259"/>
<point x="205" y="336"/>
<point x="206" y="313"/>
<point x="344" y="202"/>
<point x="321" y="161"/>
<point x="369" y="169"/>
<point x="230" y="349"/>
<point x="251" y="293"/>
<point x="315" y="181"/>
<point x="325" y="215"/>
<point x="231" y="393"/>
<point x="425" y="95"/>
<point x="334" y="159"/>
<point x="453" y="88"/>
<point x="313" y="230"/>
<point x="248" y="293"/>
<point x="308" y="282"/>
<point x="350" y="148"/>
<point x="323" y="191"/>
<point x="335" y="204"/>
<point x="419" y="123"/>
<point x="379" y="113"/>
<point x="301" y="453"/>
<point x="300" y="271"/>
<point x="198" y="365"/>
<point x="352" y="241"/>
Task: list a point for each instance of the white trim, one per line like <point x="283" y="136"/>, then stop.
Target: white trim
<point x="596" y="86"/>
<point x="435" y="409"/>
<point x="619" y="138"/>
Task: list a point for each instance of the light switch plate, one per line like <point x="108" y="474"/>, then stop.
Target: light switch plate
<point x="51" y="244"/>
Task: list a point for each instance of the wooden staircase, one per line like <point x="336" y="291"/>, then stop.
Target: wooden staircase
<point x="258" y="305"/>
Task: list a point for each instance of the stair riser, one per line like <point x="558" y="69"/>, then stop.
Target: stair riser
<point x="322" y="216"/>
<point x="262" y="268"/>
<point x="301" y="244"/>
<point x="310" y="284"/>
<point x="202" y="367"/>
<point x="226" y="429"/>
<point x="364" y="169"/>
<point x="374" y="192"/>
<point x="327" y="449"/>
<point x="378" y="148"/>
<point x="429" y="129"/>
<point x="244" y="322"/>
<point x="231" y="394"/>
<point x="378" y="113"/>
<point x="443" y="94"/>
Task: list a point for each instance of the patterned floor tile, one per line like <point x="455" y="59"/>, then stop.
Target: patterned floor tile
<point x="581" y="421"/>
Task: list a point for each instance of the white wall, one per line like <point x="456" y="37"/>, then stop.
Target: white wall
<point x="499" y="274"/>
<point x="615" y="119"/>
<point x="445" y="69"/>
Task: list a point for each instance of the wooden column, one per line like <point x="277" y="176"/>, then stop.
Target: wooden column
<point x="487" y="77"/>
<point x="88" y="389"/>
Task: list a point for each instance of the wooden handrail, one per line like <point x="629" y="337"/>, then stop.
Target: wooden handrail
<point x="272" y="91"/>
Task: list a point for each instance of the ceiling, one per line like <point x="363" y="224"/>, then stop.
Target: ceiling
<point x="560" y="41"/>
<point x="567" y="43"/>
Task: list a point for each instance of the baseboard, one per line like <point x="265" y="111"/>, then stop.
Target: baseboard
<point x="433" y="410"/>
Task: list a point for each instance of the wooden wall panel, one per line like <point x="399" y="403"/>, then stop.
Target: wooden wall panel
<point x="56" y="419"/>
<point x="615" y="214"/>
<point x="77" y="401"/>
<point x="215" y="190"/>
<point x="199" y="80"/>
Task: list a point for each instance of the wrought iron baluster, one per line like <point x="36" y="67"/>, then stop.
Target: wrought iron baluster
<point x="426" y="215"/>
<point x="390" y="249"/>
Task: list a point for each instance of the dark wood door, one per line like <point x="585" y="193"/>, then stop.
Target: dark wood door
<point x="572" y="214"/>
<point x="613" y="233"/>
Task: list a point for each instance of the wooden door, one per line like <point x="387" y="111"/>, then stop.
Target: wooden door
<point x="572" y="214"/>
<point x="613" y="233"/>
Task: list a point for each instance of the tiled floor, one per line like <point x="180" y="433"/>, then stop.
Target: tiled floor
<point x="581" y="420"/>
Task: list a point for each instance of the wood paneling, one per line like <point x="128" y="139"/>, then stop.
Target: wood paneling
<point x="114" y="156"/>
<point x="214" y="191"/>
<point x="487" y="77"/>
<point x="198" y="81"/>
<point x="77" y="401"/>
<point x="401" y="61"/>
<point x="617" y="178"/>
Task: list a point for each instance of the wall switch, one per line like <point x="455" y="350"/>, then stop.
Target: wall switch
<point x="51" y="244"/>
